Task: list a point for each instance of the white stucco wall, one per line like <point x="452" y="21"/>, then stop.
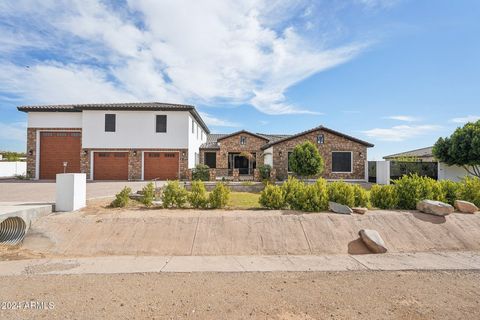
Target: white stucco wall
<point x="54" y="119"/>
<point x="11" y="169"/>
<point x="268" y="156"/>
<point x="135" y="130"/>
<point x="453" y="173"/>
<point x="195" y="139"/>
<point x="383" y="172"/>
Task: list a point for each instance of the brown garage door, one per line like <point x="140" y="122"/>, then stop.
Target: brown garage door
<point x="110" y="166"/>
<point x="57" y="148"/>
<point x="161" y="165"/>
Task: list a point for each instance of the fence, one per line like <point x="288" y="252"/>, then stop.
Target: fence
<point x="11" y="169"/>
<point x="383" y="171"/>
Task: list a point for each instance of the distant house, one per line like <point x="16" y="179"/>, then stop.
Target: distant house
<point x="445" y="172"/>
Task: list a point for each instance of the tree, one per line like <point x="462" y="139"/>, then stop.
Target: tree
<point x="462" y="148"/>
<point x="305" y="160"/>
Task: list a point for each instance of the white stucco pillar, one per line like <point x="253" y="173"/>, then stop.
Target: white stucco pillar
<point x="383" y="172"/>
<point x="71" y="191"/>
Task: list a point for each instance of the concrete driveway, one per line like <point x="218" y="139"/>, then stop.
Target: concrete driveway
<point x="39" y="191"/>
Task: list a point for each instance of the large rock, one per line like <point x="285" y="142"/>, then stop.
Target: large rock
<point x="360" y="210"/>
<point x="465" y="206"/>
<point x="373" y="240"/>
<point x="437" y="208"/>
<point x="339" y="208"/>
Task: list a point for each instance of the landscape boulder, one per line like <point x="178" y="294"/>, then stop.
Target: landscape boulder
<point x="360" y="210"/>
<point x="339" y="208"/>
<point x="437" y="208"/>
<point x="373" y="240"/>
<point x="465" y="206"/>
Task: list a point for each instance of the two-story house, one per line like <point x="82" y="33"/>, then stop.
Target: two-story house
<point x="126" y="141"/>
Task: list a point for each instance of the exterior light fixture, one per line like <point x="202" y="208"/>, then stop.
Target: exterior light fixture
<point x="134" y="153"/>
<point x="30" y="152"/>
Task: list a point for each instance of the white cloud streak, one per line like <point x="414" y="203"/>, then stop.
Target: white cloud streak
<point x="400" y="133"/>
<point x="403" y="118"/>
<point x="469" y="118"/>
<point x="158" y="51"/>
<point x="216" y="122"/>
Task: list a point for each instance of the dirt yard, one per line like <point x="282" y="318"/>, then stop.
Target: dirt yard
<point x="343" y="295"/>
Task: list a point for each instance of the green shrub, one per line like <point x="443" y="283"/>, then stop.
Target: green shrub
<point x="412" y="188"/>
<point x="469" y="190"/>
<point x="272" y="197"/>
<point x="265" y="170"/>
<point x="383" y="197"/>
<point x="198" y="196"/>
<point x="219" y="196"/>
<point x="315" y="197"/>
<point x="148" y="195"/>
<point x="174" y="195"/>
<point x="295" y="193"/>
<point x="121" y="198"/>
<point x="361" y="196"/>
<point x="201" y="172"/>
<point x="341" y="192"/>
<point x="305" y="160"/>
<point x="450" y="190"/>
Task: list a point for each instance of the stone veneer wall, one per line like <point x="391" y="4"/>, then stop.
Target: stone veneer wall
<point x="32" y="146"/>
<point x="232" y="144"/>
<point x="332" y="142"/>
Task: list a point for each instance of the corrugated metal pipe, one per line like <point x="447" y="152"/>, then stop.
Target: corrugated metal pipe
<point x="12" y="231"/>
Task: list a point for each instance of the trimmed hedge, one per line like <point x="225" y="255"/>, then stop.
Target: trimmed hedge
<point x="469" y="190"/>
<point x="219" y="196"/>
<point x="272" y="197"/>
<point x="198" y="195"/>
<point x="384" y="197"/>
<point x="341" y="192"/>
<point x="412" y="189"/>
<point x="174" y="195"/>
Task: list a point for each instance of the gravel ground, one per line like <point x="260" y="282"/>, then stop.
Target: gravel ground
<point x="314" y="295"/>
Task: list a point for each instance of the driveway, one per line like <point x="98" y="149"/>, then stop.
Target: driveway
<point x="39" y="191"/>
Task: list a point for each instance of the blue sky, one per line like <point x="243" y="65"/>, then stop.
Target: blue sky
<point x="396" y="73"/>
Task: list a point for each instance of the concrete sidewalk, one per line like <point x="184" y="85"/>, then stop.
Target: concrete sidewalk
<point x="146" y="264"/>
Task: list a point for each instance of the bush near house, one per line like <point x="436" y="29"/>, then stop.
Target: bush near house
<point x="148" y="195"/>
<point x="174" y="195"/>
<point x="122" y="198"/>
<point x="450" y="190"/>
<point x="315" y="197"/>
<point x="219" y="196"/>
<point x="272" y="197"/>
<point x="412" y="189"/>
<point x="201" y="172"/>
<point x="264" y="170"/>
<point x="198" y="195"/>
<point x="383" y="197"/>
<point x="362" y="199"/>
<point x="469" y="190"/>
<point x="305" y="160"/>
<point x="341" y="192"/>
<point x="294" y="191"/>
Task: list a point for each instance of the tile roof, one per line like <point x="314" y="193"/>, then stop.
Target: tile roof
<point x="212" y="139"/>
<point x="419" y="153"/>
<point x="117" y="106"/>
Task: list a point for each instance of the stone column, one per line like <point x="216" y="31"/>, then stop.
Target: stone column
<point x="256" y="175"/>
<point x="236" y="174"/>
<point x="188" y="174"/>
<point x="212" y="175"/>
<point x="273" y="175"/>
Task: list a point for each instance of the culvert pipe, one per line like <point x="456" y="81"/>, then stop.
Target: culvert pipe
<point x="12" y="231"/>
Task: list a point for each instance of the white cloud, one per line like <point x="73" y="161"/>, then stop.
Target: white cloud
<point x="244" y="52"/>
<point x="16" y="131"/>
<point x="216" y="122"/>
<point x="466" y="119"/>
<point x="403" y="118"/>
<point x="400" y="133"/>
<point x="378" y="3"/>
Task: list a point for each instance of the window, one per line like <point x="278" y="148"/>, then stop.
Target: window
<point x="211" y="159"/>
<point x="288" y="161"/>
<point x="110" y="123"/>
<point x="161" y="124"/>
<point x="341" y="161"/>
<point x="243" y="140"/>
<point x="320" y="139"/>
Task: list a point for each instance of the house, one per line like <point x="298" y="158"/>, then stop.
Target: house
<point x="146" y="141"/>
<point x="345" y="156"/>
<point x="125" y="141"/>
<point x="445" y="172"/>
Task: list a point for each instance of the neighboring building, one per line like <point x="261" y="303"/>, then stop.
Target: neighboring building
<point x="419" y="155"/>
<point x="126" y="141"/>
<point x="445" y="172"/>
<point x="145" y="141"/>
<point x="345" y="156"/>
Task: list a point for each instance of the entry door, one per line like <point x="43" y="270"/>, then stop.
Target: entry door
<point x="241" y="163"/>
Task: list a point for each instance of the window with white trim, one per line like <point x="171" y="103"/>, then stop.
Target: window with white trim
<point x="342" y="161"/>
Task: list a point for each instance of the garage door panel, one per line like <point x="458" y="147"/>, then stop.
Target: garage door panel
<point x="110" y="166"/>
<point x="161" y="165"/>
<point x="57" y="148"/>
